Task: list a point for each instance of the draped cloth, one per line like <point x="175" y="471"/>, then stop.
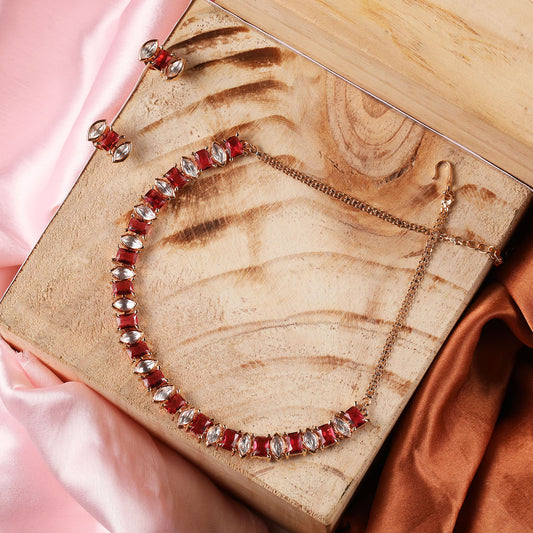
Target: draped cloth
<point x="459" y="459"/>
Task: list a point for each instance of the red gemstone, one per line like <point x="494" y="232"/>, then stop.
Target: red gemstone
<point x="161" y="60"/>
<point x="176" y="177"/>
<point x="120" y="288"/>
<point x="155" y="198"/>
<point x="203" y="159"/>
<point x="108" y="141"/>
<point x="261" y="447"/>
<point x="200" y="424"/>
<point x="354" y="416"/>
<point x="126" y="256"/>
<point x="327" y="435"/>
<point x="138" y="350"/>
<point x="229" y="440"/>
<point x="175" y="403"/>
<point x="294" y="443"/>
<point x="127" y="321"/>
<point x="154" y="379"/>
<point x="138" y="226"/>
<point x="234" y="146"/>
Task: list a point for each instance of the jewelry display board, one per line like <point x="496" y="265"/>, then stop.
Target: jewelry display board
<point x="267" y="302"/>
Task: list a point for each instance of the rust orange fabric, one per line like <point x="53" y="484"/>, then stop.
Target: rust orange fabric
<point x="461" y="457"/>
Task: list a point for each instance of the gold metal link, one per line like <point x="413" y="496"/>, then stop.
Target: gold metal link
<point x="435" y="234"/>
<point x="490" y="250"/>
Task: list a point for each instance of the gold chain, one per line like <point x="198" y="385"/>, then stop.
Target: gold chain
<point x="492" y="251"/>
<point x="435" y="234"/>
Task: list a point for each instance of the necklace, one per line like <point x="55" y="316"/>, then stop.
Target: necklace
<point x="206" y="430"/>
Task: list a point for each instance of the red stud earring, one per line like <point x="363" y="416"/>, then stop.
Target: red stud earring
<point x="157" y="58"/>
<point x="105" y="138"/>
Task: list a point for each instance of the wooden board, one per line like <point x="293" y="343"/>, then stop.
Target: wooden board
<point x="266" y="301"/>
<point x="464" y="69"/>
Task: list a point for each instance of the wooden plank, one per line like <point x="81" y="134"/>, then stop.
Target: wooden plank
<point x="464" y="70"/>
<point x="265" y="301"/>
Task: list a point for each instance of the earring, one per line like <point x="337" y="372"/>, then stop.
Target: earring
<point x="105" y="138"/>
<point x="157" y="58"/>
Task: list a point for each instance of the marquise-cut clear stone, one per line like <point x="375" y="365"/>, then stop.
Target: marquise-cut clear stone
<point x="219" y="154"/>
<point x="124" y="304"/>
<point x="244" y="445"/>
<point x="165" y="188"/>
<point x="145" y="366"/>
<point x="145" y="212"/>
<point x="189" y="168"/>
<point x="186" y="417"/>
<point x="162" y="394"/>
<point x="131" y="337"/>
<point x="175" y="68"/>
<point x="121" y="152"/>
<point x="341" y="426"/>
<point x="148" y="49"/>
<point x="131" y="241"/>
<point x="276" y="446"/>
<point x="121" y="273"/>
<point x="213" y="434"/>
<point x="310" y="440"/>
<point x="96" y="130"/>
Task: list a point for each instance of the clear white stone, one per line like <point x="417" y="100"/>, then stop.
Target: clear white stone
<point x="164" y="188"/>
<point x="310" y="440"/>
<point x="145" y="212"/>
<point x="131" y="337"/>
<point x="122" y="273"/>
<point x="341" y="426"/>
<point x="121" y="152"/>
<point x="277" y="446"/>
<point x="189" y="168"/>
<point x="131" y="241"/>
<point x="124" y="304"/>
<point x="145" y="366"/>
<point x="185" y="417"/>
<point x="213" y="434"/>
<point x="162" y="394"/>
<point x="175" y="68"/>
<point x="96" y="130"/>
<point x="148" y="49"/>
<point x="244" y="445"/>
<point x="219" y="154"/>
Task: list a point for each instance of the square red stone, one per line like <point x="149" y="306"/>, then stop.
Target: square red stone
<point x="154" y="379"/>
<point x="354" y="417"/>
<point x="174" y="404"/>
<point x="122" y="288"/>
<point x="203" y="159"/>
<point x="229" y="440"/>
<point x="127" y="321"/>
<point x="126" y="256"/>
<point x="294" y="443"/>
<point x="138" y="350"/>
<point x="139" y="226"/>
<point x="155" y="199"/>
<point x="108" y="141"/>
<point x="234" y="146"/>
<point x="176" y="177"/>
<point x="261" y="447"/>
<point x="200" y="425"/>
<point x="327" y="435"/>
<point x="161" y="60"/>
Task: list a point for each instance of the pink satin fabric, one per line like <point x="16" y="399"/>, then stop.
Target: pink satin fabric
<point x="70" y="461"/>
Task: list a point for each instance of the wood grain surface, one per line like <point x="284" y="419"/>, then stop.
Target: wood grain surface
<point x="265" y="301"/>
<point x="463" y="68"/>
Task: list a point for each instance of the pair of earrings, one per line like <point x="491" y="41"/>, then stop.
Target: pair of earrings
<point x="101" y="134"/>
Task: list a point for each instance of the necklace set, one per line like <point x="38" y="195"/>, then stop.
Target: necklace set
<point x="163" y="391"/>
